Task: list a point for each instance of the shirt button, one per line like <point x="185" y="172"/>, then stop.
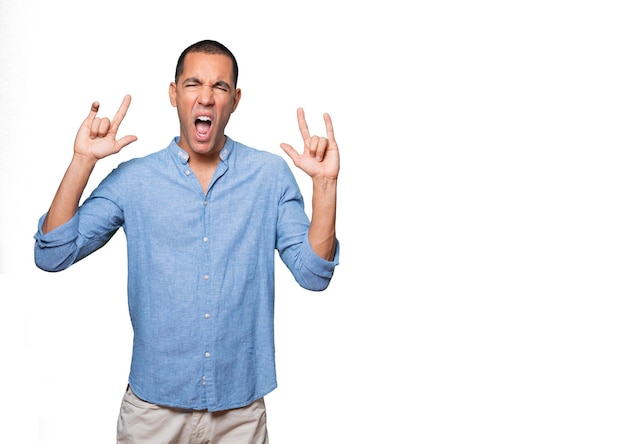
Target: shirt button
<point x="206" y="277"/>
<point x="207" y="316"/>
<point x="205" y="239"/>
<point x="205" y="203"/>
<point x="187" y="172"/>
<point x="207" y="354"/>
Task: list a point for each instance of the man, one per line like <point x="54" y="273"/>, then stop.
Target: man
<point x="202" y="220"/>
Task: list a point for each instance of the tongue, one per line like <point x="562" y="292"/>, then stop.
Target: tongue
<point x="202" y="127"/>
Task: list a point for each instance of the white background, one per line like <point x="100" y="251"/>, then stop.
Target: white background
<point x="480" y="295"/>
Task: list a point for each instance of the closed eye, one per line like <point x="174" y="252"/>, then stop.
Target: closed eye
<point x="222" y="86"/>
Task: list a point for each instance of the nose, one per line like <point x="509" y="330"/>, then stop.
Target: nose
<point x="205" y="95"/>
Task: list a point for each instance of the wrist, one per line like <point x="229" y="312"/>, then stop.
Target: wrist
<point x="83" y="161"/>
<point x="325" y="183"/>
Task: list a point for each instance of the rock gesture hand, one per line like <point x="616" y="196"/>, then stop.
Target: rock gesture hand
<point x="96" y="136"/>
<point x="320" y="158"/>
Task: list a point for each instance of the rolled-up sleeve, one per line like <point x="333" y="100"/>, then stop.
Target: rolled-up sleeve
<point x="95" y="223"/>
<point x="314" y="272"/>
<point x="56" y="250"/>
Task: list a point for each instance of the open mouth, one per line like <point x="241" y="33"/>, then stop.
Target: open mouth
<point x="203" y="126"/>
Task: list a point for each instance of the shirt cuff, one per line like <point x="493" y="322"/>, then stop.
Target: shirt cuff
<point x="318" y="265"/>
<point x="58" y="236"/>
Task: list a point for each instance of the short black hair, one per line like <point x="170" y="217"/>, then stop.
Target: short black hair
<point x="207" y="47"/>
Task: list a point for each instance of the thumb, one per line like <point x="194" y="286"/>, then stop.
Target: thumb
<point x="126" y="140"/>
<point x="291" y="152"/>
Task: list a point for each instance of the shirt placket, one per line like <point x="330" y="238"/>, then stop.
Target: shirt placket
<point x="208" y="382"/>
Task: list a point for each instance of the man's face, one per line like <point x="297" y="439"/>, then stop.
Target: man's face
<point x="205" y="96"/>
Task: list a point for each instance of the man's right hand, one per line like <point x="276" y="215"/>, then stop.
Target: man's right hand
<point x="96" y="136"/>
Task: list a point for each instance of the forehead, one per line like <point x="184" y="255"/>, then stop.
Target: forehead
<point x="207" y="66"/>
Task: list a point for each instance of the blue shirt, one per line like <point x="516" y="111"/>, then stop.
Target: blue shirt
<point x="200" y="269"/>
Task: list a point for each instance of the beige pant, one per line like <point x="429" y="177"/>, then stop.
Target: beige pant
<point x="141" y="422"/>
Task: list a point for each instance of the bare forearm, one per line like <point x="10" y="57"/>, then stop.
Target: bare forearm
<point x="66" y="200"/>
<point x="322" y="230"/>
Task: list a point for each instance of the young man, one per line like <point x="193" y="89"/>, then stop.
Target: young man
<point x="202" y="220"/>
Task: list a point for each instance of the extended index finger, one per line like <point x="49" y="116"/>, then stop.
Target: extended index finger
<point x="121" y="113"/>
<point x="330" y="132"/>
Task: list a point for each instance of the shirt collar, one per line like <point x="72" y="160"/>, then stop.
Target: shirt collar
<point x="183" y="156"/>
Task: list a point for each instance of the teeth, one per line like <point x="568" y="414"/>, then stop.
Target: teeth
<point x="204" y="119"/>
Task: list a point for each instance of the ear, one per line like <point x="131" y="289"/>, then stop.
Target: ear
<point x="173" y="94"/>
<point x="236" y="99"/>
